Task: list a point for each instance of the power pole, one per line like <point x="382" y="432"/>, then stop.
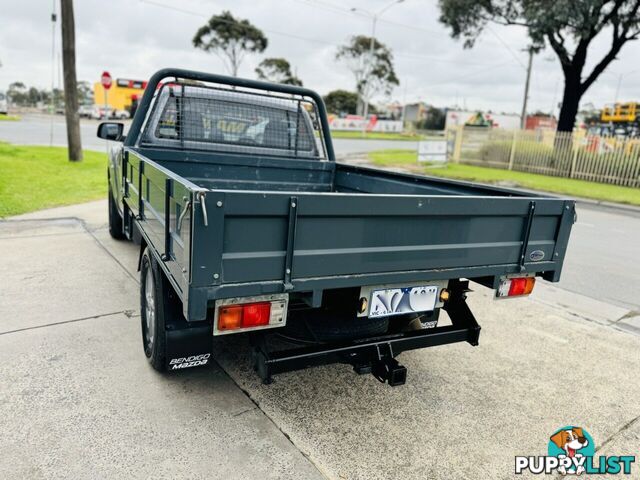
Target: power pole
<point x="365" y="96"/>
<point x="523" y="116"/>
<point x="70" y="80"/>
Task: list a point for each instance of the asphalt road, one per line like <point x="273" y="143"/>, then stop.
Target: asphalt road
<point x="602" y="262"/>
<point x="78" y="399"/>
<point x="47" y="130"/>
<point x="603" y="259"/>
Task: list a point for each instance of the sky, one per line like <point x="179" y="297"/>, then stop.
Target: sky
<point x="133" y="38"/>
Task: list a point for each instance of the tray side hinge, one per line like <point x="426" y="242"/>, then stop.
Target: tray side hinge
<point x="526" y="235"/>
<point x="291" y="240"/>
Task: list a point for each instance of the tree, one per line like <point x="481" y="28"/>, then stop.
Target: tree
<point x="70" y="80"/>
<point x="435" y="119"/>
<point x="34" y="96"/>
<point x="17" y="93"/>
<point x="567" y="26"/>
<point x="58" y="97"/>
<point x="378" y="70"/>
<point x="85" y="93"/>
<point x="230" y="38"/>
<point x="277" y="70"/>
<point x="341" y="101"/>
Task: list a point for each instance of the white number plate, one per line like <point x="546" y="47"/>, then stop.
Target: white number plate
<point x="397" y="301"/>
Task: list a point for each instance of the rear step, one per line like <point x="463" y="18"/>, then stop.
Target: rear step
<point x="371" y="355"/>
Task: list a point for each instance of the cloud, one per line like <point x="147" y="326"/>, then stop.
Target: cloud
<point x="133" y="38"/>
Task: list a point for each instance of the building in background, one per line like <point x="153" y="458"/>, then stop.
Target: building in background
<point x="121" y="95"/>
<point x="391" y="111"/>
<point x="541" y="122"/>
<point x="415" y="112"/>
<point x="357" y="123"/>
<point x="505" y="121"/>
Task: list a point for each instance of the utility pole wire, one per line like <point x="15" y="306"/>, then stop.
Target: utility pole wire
<point x="506" y="45"/>
<point x="337" y="9"/>
<point x="315" y="40"/>
<point x="490" y="68"/>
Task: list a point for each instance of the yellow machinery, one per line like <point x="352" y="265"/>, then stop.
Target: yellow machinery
<point x="620" y="112"/>
<point x="121" y="94"/>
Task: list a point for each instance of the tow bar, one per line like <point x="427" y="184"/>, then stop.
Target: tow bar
<point x="390" y="371"/>
<point x="371" y="355"/>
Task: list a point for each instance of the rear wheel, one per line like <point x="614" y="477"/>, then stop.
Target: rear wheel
<point x="116" y="228"/>
<point x="153" y="312"/>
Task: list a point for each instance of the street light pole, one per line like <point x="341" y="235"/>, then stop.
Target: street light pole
<point x="615" y="99"/>
<point x="620" y="77"/>
<point x="369" y="68"/>
<point x="365" y="88"/>
<point x="523" y="116"/>
<point x="54" y="18"/>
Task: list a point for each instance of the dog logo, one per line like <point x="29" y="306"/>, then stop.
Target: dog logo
<point x="571" y="451"/>
<point x="573" y="443"/>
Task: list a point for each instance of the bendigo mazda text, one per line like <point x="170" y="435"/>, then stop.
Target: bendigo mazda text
<point x="248" y="226"/>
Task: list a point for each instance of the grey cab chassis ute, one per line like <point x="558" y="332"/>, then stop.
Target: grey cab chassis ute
<point x="248" y="226"/>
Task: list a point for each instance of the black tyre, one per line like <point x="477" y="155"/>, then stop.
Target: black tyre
<point x="153" y="311"/>
<point x="116" y="229"/>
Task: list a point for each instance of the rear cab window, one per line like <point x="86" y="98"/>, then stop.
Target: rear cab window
<point x="284" y="128"/>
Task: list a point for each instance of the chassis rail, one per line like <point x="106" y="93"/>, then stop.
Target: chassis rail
<point x="372" y="355"/>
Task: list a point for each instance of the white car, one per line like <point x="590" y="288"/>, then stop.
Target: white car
<point x="4" y="107"/>
<point x="85" y="111"/>
<point x="102" y="113"/>
<point x="120" y="114"/>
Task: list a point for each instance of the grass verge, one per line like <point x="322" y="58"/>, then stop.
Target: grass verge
<point x="9" y="118"/>
<point x="357" y="135"/>
<point x="32" y="178"/>
<point x="407" y="159"/>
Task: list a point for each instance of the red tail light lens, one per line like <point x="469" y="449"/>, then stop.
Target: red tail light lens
<point x="517" y="286"/>
<point x="514" y="287"/>
<point x="256" y="314"/>
<point x="235" y="316"/>
<point x="232" y="317"/>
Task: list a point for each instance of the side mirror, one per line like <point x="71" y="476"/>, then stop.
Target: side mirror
<point x="111" y="131"/>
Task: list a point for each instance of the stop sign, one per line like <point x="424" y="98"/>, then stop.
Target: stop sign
<point x="106" y="80"/>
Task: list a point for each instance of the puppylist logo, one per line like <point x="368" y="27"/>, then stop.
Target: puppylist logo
<point x="571" y="451"/>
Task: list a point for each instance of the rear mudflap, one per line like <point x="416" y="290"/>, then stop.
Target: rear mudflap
<point x="188" y="347"/>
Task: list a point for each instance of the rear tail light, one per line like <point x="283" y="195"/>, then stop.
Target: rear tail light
<point x="230" y="317"/>
<point x="256" y="314"/>
<point x="234" y="315"/>
<point x="515" y="287"/>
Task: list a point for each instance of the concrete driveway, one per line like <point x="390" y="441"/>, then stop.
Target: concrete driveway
<point x="78" y="400"/>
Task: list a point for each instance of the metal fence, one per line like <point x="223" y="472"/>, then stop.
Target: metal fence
<point x="598" y="158"/>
